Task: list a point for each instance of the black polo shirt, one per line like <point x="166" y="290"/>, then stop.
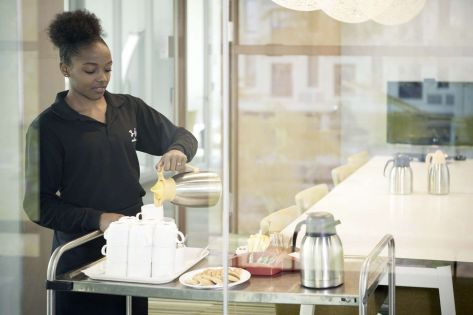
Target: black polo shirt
<point x="86" y="167"/>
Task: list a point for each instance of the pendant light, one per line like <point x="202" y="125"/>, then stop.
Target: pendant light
<point x="354" y="11"/>
<point x="387" y="12"/>
<point x="299" y="5"/>
<point x="399" y="12"/>
<point x="373" y="8"/>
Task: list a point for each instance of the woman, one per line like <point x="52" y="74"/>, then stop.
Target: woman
<point x="81" y="161"/>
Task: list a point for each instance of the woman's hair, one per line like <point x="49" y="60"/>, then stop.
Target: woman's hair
<point x="70" y="31"/>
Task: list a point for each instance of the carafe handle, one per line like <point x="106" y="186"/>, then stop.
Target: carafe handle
<point x="294" y="235"/>
<point x="191" y="168"/>
<point x="428" y="159"/>
<point x="386" y="166"/>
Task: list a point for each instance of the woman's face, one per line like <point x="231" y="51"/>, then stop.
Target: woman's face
<point x="90" y="70"/>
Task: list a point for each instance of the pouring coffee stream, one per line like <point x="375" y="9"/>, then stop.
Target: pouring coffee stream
<point x="192" y="188"/>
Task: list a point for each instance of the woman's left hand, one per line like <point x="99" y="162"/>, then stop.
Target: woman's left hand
<point x="173" y="160"/>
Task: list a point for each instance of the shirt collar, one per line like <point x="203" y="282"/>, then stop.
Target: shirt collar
<point x="64" y="111"/>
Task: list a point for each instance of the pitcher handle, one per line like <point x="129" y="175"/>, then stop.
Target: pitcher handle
<point x="428" y="159"/>
<point x="294" y="235"/>
<point x="181" y="238"/>
<point x="191" y="168"/>
<point x="386" y="166"/>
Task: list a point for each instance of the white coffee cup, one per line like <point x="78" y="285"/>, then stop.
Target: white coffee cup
<point x="166" y="234"/>
<point x="141" y="233"/>
<point x="116" y="262"/>
<point x="163" y="256"/>
<point x="150" y="211"/>
<point x="166" y="237"/>
<point x="139" y="262"/>
<point x="128" y="219"/>
<point x="117" y="233"/>
<point x="115" y="253"/>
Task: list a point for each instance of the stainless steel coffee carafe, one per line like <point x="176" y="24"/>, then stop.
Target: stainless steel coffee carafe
<point x="197" y="189"/>
<point x="400" y="175"/>
<point x="438" y="173"/>
<point x="321" y="253"/>
<point x="190" y="189"/>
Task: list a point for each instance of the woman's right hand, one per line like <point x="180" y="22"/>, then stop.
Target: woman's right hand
<point x="106" y="218"/>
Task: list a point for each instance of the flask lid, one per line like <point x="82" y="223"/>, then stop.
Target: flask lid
<point x="402" y="160"/>
<point x="321" y="223"/>
<point x="439" y="158"/>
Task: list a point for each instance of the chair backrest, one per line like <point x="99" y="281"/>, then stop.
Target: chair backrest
<point x="308" y="197"/>
<point x="278" y="220"/>
<point x="341" y="172"/>
<point x="358" y="158"/>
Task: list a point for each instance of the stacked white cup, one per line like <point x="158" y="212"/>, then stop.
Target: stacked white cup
<point x="165" y="240"/>
<point x="151" y="212"/>
<point x="140" y="247"/>
<point x="116" y="249"/>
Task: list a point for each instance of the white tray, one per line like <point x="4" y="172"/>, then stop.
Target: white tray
<point x="191" y="256"/>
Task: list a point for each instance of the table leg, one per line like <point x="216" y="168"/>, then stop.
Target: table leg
<point x="447" y="300"/>
<point x="128" y="305"/>
<point x="428" y="277"/>
<point x="307" y="309"/>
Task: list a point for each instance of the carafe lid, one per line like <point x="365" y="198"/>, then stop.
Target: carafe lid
<point x="402" y="160"/>
<point x="438" y="157"/>
<point x="321" y="223"/>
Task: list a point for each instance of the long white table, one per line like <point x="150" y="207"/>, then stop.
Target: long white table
<point x="424" y="226"/>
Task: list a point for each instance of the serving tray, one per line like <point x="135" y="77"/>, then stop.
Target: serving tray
<point x="190" y="257"/>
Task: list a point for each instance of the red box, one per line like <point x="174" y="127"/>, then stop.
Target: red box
<point x="252" y="263"/>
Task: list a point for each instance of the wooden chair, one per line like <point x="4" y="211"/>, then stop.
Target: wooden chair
<point x="358" y="158"/>
<point x="308" y="197"/>
<point x="278" y="220"/>
<point x="341" y="172"/>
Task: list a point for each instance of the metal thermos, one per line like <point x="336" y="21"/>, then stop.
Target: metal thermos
<point x="189" y="189"/>
<point x="400" y="175"/>
<point x="197" y="189"/>
<point x="321" y="252"/>
<point x="438" y="173"/>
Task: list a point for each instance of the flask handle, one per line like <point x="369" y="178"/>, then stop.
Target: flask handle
<point x="386" y="166"/>
<point x="294" y="235"/>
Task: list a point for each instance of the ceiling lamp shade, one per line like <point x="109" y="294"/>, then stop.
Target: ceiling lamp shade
<point x="373" y="8"/>
<point x="399" y="12"/>
<point x="387" y="12"/>
<point x="299" y="5"/>
<point x="348" y="11"/>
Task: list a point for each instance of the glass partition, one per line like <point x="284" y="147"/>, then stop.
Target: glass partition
<point x="314" y="108"/>
<point x="297" y="113"/>
<point x="310" y="91"/>
<point x="13" y="241"/>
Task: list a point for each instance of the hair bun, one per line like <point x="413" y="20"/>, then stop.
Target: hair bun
<point x="69" y="28"/>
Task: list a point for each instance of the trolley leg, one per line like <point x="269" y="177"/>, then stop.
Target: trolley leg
<point x="128" y="305"/>
<point x="50" y="302"/>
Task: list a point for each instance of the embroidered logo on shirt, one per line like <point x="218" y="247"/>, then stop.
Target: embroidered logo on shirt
<point x="133" y="134"/>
